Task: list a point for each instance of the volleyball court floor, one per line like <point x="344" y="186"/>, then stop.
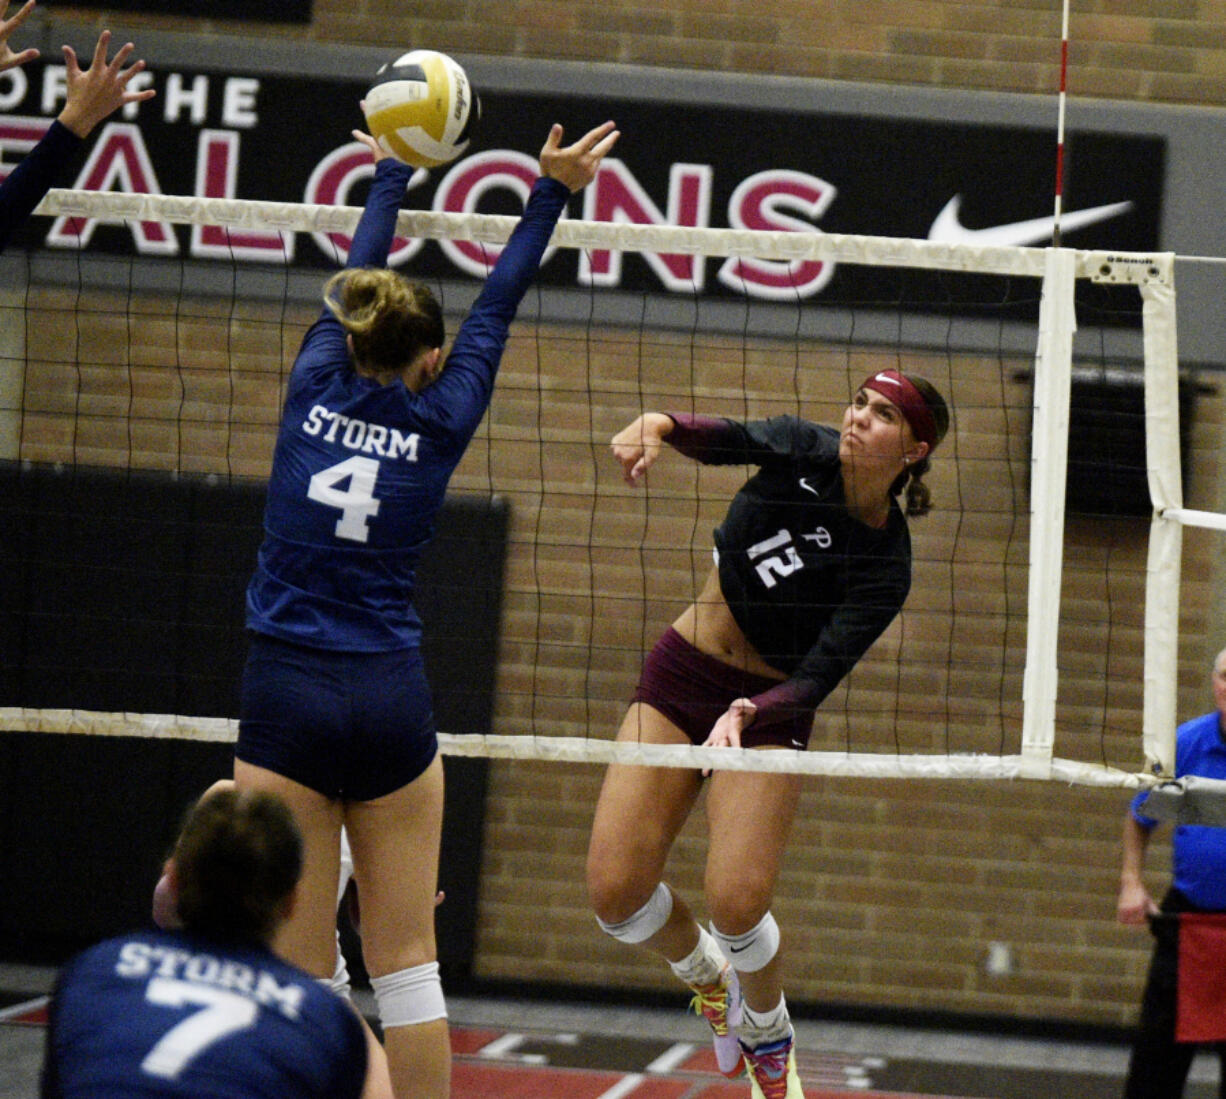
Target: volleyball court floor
<point x="511" y="1048"/>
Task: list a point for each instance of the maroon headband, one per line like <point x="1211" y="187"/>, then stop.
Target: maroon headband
<point x="901" y="391"/>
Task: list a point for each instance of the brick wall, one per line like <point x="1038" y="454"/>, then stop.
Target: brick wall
<point x="892" y="890"/>
<point x="1169" y="51"/>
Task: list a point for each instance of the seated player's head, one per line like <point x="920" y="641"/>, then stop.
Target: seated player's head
<point x="236" y="865"/>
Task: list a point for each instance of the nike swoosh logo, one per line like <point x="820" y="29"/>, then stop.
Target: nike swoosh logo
<point x="804" y="483"/>
<point x="948" y="229"/>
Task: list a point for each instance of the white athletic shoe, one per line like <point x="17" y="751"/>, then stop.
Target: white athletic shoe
<point x="721" y="1005"/>
<point x="772" y="1070"/>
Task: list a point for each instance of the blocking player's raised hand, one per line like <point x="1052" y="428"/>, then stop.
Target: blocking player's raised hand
<point x="9" y="59"/>
<point x="101" y="89"/>
<point x="575" y="165"/>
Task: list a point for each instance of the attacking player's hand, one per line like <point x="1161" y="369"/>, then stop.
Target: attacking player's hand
<point x="637" y="446"/>
<point x="101" y="89"/>
<point x="576" y="165"/>
<point x="1135" y="905"/>
<point x="726" y="733"/>
<point x="9" y="59"/>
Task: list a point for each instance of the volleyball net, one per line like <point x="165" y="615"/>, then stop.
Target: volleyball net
<point x="1037" y="642"/>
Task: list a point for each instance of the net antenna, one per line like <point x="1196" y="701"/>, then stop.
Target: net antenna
<point x="1060" y="112"/>
<point x="1057" y="271"/>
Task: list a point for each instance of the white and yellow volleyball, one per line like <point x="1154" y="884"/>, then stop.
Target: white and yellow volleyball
<point x="421" y="109"/>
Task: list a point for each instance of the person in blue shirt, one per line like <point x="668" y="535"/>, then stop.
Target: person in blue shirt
<point x="812" y="563"/>
<point x="93" y="94"/>
<point x="1158" y="1067"/>
<point x="207" y="1010"/>
<point x="335" y="712"/>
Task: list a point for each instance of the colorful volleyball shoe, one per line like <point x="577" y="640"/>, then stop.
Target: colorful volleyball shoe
<point x="721" y="1005"/>
<point x="772" y="1070"/>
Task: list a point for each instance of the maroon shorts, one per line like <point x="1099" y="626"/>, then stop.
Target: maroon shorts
<point x="693" y="689"/>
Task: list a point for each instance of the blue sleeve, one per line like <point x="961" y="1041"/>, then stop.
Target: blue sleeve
<point x="460" y="396"/>
<point x="32" y="178"/>
<point x="1148" y="823"/>
<point x="372" y="240"/>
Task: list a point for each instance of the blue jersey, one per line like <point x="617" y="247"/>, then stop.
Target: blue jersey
<point x="162" y="1013"/>
<point x="1198" y="850"/>
<point x="32" y="178"/>
<point x="361" y="469"/>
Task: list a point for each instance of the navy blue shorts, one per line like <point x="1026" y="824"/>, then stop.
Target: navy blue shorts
<point x="348" y="725"/>
<point x="693" y="689"/>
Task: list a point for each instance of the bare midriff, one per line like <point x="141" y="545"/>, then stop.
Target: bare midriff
<point x="708" y="625"/>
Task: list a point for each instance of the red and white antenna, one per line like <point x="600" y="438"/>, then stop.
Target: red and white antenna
<point x="1055" y="234"/>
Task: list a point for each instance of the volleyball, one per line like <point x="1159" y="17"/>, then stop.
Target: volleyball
<point x="421" y="108"/>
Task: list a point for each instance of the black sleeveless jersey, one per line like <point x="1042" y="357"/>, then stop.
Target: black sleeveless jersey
<point x="810" y="586"/>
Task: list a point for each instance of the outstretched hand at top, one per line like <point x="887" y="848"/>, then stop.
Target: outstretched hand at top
<point x="96" y="92"/>
<point x="9" y="59"/>
<point x="576" y="165"/>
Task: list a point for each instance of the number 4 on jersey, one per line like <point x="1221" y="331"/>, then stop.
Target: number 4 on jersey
<point x="357" y="502"/>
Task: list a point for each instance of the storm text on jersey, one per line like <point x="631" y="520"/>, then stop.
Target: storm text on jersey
<point x="355" y="434"/>
<point x="164" y="964"/>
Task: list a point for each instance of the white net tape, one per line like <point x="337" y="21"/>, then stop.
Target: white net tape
<point x="1107" y="267"/>
<point x="586" y="750"/>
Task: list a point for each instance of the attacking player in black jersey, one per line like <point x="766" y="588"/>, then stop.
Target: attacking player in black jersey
<point x="813" y="562"/>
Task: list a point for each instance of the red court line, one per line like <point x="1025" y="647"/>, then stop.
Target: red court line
<point x="491" y="1081"/>
<point x="695" y="1078"/>
<point x="487" y="1081"/>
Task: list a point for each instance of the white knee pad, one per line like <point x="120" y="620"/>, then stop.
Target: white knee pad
<point x="754" y="949"/>
<point x="410" y="996"/>
<point x="339" y="981"/>
<point x="646" y="921"/>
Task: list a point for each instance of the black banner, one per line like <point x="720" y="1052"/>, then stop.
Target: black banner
<point x="288" y="139"/>
<point x="254" y="11"/>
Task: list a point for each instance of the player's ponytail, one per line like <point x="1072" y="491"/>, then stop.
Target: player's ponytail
<point x="390" y="319"/>
<point x="918" y="497"/>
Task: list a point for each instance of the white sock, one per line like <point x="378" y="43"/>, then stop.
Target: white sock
<point x="759" y="1028"/>
<point x="703" y="964"/>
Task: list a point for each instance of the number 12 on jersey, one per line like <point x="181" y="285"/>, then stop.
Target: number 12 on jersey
<point x="357" y="503"/>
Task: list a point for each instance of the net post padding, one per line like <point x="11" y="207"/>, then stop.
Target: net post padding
<point x="1162" y="575"/>
<point x="1192" y="799"/>
<point x="604" y="752"/>
<point x="1053" y="371"/>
